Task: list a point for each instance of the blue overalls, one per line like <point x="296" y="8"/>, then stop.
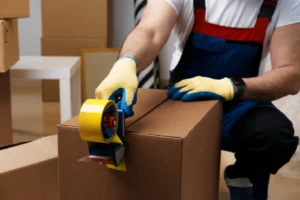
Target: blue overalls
<point x="215" y="51"/>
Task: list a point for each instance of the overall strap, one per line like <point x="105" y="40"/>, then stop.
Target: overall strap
<point x="264" y="17"/>
<point x="267" y="9"/>
<point x="199" y="4"/>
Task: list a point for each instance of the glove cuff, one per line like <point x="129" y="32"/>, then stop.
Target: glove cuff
<point x="125" y="64"/>
<point x="231" y="89"/>
<point x="130" y="57"/>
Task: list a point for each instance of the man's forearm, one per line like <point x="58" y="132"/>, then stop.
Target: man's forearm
<point x="143" y="44"/>
<point x="273" y="85"/>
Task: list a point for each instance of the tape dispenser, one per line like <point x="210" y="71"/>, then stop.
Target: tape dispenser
<point x="102" y="126"/>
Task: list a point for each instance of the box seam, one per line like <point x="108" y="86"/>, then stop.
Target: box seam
<point x="140" y="118"/>
<point x="154" y="135"/>
<point x="131" y="132"/>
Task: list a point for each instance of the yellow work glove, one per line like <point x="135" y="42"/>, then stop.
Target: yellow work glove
<point x="121" y="85"/>
<point x="202" y="88"/>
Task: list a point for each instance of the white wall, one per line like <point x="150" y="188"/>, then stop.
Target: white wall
<point x="30" y="30"/>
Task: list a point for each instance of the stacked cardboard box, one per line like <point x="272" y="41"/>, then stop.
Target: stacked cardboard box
<point x="9" y="55"/>
<point x="69" y="26"/>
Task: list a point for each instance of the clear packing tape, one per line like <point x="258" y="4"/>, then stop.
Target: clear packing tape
<point x="101" y="125"/>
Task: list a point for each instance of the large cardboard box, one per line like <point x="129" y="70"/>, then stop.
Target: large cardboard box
<point x="14" y="9"/>
<point x="74" y="18"/>
<point x="6" y="132"/>
<point x="64" y="47"/>
<point x="30" y="170"/>
<point x="9" y="44"/>
<point x="173" y="152"/>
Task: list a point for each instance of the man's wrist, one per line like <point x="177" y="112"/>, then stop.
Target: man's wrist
<point x="239" y="87"/>
<point x="130" y="57"/>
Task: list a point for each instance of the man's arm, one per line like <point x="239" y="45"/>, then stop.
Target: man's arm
<point x="151" y="34"/>
<point x="284" y="78"/>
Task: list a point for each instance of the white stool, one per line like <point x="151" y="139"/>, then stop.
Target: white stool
<point x="65" y="69"/>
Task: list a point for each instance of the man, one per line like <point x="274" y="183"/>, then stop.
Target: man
<point x="220" y="47"/>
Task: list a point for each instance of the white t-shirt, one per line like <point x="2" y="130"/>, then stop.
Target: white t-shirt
<point x="230" y="13"/>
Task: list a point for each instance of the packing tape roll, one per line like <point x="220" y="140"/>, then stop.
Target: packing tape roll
<point x="93" y="116"/>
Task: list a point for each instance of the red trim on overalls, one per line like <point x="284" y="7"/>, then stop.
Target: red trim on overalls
<point x="255" y="34"/>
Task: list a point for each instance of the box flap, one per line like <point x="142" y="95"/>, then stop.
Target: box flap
<point x="28" y="154"/>
<point x="173" y="118"/>
<point x="147" y="100"/>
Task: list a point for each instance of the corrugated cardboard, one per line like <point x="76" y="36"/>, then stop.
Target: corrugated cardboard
<point x="14" y="9"/>
<point x="6" y="132"/>
<point x="74" y="18"/>
<point x="9" y="44"/>
<point x="173" y="153"/>
<point x="64" y="47"/>
<point x="30" y="171"/>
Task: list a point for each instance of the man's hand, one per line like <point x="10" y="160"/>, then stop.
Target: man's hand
<point x="202" y="88"/>
<point x="143" y="44"/>
<point x="120" y="85"/>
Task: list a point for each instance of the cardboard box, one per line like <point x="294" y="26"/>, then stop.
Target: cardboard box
<point x="6" y="132"/>
<point x="69" y="46"/>
<point x="30" y="170"/>
<point x="9" y="44"/>
<point x="173" y="153"/>
<point x="64" y="47"/>
<point x="74" y="18"/>
<point x="14" y="9"/>
<point x="96" y="64"/>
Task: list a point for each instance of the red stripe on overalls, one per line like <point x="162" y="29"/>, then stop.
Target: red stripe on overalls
<point x="256" y="34"/>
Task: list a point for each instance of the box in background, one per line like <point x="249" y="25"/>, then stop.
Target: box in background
<point x="9" y="44"/>
<point x="96" y="64"/>
<point x="64" y="47"/>
<point x="74" y="18"/>
<point x="173" y="153"/>
<point x="6" y="131"/>
<point x="69" y="26"/>
<point x="30" y="170"/>
<point x="14" y="9"/>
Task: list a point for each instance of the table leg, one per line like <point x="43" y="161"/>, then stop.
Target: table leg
<point x="65" y="100"/>
<point x="70" y="97"/>
<point x="76" y="93"/>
